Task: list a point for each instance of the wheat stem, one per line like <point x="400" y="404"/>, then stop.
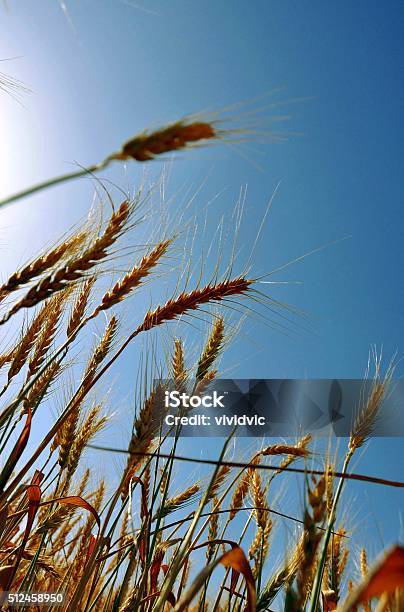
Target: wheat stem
<point x="64" y="178"/>
<point x="141" y="148"/>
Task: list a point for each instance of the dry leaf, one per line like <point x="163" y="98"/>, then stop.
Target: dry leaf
<point x="385" y="577"/>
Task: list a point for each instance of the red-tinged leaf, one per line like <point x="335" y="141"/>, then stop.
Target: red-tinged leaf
<point x="6" y="572"/>
<point x="3" y="518"/>
<point x="154" y="574"/>
<point x="234" y="559"/>
<point x="143" y="505"/>
<point x="37" y="477"/>
<point x="36" y="480"/>
<point x="233" y="581"/>
<point x="386" y="576"/>
<point x="91" y="546"/>
<point x="142" y="550"/>
<point x="238" y="562"/>
<point x="75" y="500"/>
<point x="170" y="598"/>
<point x="158" y="565"/>
<point x="34" y="497"/>
<point x="329" y="601"/>
<point x="155" y="570"/>
<point x="234" y="573"/>
<point x="16" y="452"/>
<point x="158" y="560"/>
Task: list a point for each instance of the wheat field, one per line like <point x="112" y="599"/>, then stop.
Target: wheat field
<point x="142" y="543"/>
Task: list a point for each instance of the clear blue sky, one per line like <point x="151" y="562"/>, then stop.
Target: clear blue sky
<point x="116" y="68"/>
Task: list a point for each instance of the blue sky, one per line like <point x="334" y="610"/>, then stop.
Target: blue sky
<point x="116" y="68"/>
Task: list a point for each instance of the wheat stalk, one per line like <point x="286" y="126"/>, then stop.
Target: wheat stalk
<point x="369" y="409"/>
<point x="41" y="386"/>
<point x="76" y="268"/>
<point x="132" y="279"/>
<point x="178" y="501"/>
<point x="179" y="135"/>
<point x="362" y="428"/>
<point x="218" y="481"/>
<point x="282" y="577"/>
<point x="77" y="313"/>
<point x="101" y="351"/>
<point x="21" y="352"/>
<point x="65" y="436"/>
<point x="142" y="148"/>
<point x="241" y="490"/>
<point x="186" y="302"/>
<point x="211" y="350"/>
<point x="48" y="332"/>
<point x="141" y="439"/>
<point x="285" y="449"/>
<point x="213" y="529"/>
<point x="98" y="575"/>
<point x="259" y="498"/>
<point x="178" y="364"/>
<point x="5" y="358"/>
<point x="42" y="264"/>
<point x="91" y="426"/>
<point x="316" y="496"/>
<point x="337" y="562"/>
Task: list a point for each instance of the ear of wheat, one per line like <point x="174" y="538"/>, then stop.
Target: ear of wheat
<point x="211" y="350"/>
<point x="187" y="302"/>
<point x="178" y="362"/>
<point x="42" y="264"/>
<point x="171" y="138"/>
<point x="369" y="409"/>
<point x="75" y="269"/>
<point x="132" y="279"/>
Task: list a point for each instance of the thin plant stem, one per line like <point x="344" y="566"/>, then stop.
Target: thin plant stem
<point x="57" y="180"/>
<point x="183" y="549"/>
<point x="316" y="591"/>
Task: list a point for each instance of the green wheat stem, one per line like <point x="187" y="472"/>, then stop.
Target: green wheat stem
<point x="315" y="597"/>
<point x="57" y="180"/>
<point x="184" y="548"/>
